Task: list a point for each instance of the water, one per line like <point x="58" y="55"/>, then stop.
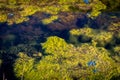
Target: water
<point x="31" y="33"/>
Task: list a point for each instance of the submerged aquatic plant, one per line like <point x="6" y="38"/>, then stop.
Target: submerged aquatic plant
<point x="100" y="38"/>
<point x="117" y="50"/>
<point x="97" y="6"/>
<point x="9" y="39"/>
<point x="23" y="64"/>
<point x="22" y="9"/>
<point x="114" y="27"/>
<point x="3" y="17"/>
<point x="26" y="48"/>
<point x="54" y="41"/>
<point x="49" y="20"/>
<point x="65" y="61"/>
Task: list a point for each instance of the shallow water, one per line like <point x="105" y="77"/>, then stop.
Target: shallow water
<point x="31" y="33"/>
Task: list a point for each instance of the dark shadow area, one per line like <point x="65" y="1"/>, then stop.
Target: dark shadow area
<point x="6" y="70"/>
<point x="84" y="39"/>
<point x="82" y="21"/>
<point x="115" y="77"/>
<point x="93" y="24"/>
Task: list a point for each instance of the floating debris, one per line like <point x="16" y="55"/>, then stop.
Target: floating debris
<point x="91" y="63"/>
<point x="86" y="1"/>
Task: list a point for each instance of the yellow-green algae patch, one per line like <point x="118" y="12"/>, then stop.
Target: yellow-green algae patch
<point x="65" y="61"/>
<point x="21" y="9"/>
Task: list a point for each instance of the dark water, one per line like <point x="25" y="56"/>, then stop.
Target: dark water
<point x="27" y="36"/>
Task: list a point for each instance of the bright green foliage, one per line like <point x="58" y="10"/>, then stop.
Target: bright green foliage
<point x="23" y="8"/>
<point x="84" y="31"/>
<point x="76" y="62"/>
<point x="50" y="69"/>
<point x="54" y="44"/>
<point x="86" y="34"/>
<point x="66" y="1"/>
<point x="29" y="10"/>
<point x="49" y="20"/>
<point x="103" y="38"/>
<point x="46" y="69"/>
<point x="100" y="38"/>
<point x="51" y="9"/>
<point x="96" y="7"/>
<point x="117" y="50"/>
<point x="3" y="17"/>
<point x="82" y="55"/>
<point x="20" y="20"/>
<point x="104" y="64"/>
<point x="23" y="66"/>
<point x="67" y="62"/>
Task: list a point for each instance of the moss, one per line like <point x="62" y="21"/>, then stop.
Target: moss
<point x="54" y="41"/>
<point x="22" y="8"/>
<point x="97" y="6"/>
<point x="51" y="9"/>
<point x="82" y="55"/>
<point x="20" y="20"/>
<point x="117" y="50"/>
<point x="45" y="69"/>
<point x="28" y="10"/>
<point x="3" y="17"/>
<point x="49" y="20"/>
<point x="11" y="2"/>
<point x="97" y="37"/>
<point x="114" y="27"/>
<point x="65" y="61"/>
<point x="94" y="13"/>
<point x="23" y="64"/>
<point x="84" y="31"/>
<point x="103" y="38"/>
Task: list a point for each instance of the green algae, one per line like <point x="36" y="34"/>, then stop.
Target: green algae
<point x="99" y="37"/>
<point x="22" y="9"/>
<point x="65" y="61"/>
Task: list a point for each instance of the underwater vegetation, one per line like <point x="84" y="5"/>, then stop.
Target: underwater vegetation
<point x="59" y="40"/>
<point x="13" y="11"/>
<point x="67" y="62"/>
<point x="100" y="38"/>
